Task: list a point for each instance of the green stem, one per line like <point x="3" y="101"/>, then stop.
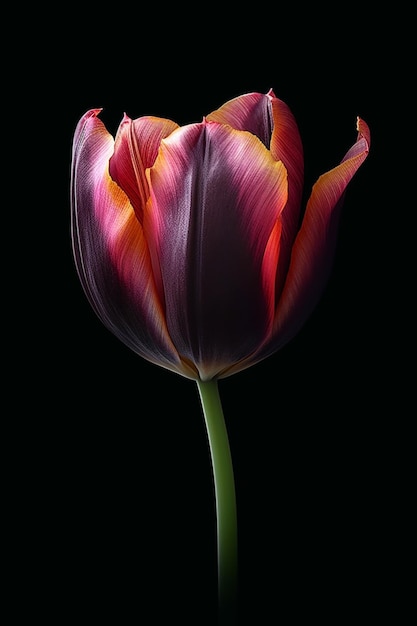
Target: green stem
<point x="225" y="500"/>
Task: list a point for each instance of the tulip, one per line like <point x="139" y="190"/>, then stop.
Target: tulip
<point x="193" y="248"/>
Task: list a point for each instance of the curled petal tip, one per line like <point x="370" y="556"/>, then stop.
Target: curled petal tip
<point x="91" y="113"/>
<point x="363" y="129"/>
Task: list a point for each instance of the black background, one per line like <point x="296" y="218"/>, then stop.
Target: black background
<point x="117" y="521"/>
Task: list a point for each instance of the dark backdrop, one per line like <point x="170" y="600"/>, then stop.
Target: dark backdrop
<point x="118" y="519"/>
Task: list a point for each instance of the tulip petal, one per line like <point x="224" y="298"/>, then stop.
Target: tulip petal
<point x="270" y="119"/>
<point x="216" y="195"/>
<point x="314" y="246"/>
<point x="136" y="146"/>
<point x="286" y="146"/>
<point x="110" y="251"/>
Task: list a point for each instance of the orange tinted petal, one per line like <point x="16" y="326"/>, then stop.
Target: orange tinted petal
<point x="111" y="253"/>
<point x="314" y="247"/>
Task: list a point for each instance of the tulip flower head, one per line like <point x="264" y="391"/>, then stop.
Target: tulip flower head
<point x="188" y="241"/>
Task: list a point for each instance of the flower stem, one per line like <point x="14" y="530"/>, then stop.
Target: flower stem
<point x="225" y="500"/>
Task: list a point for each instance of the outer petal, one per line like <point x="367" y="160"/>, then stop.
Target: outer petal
<point x="314" y="247"/>
<point x="216" y="195"/>
<point x="110" y="251"/>
<point x="136" y="146"/>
